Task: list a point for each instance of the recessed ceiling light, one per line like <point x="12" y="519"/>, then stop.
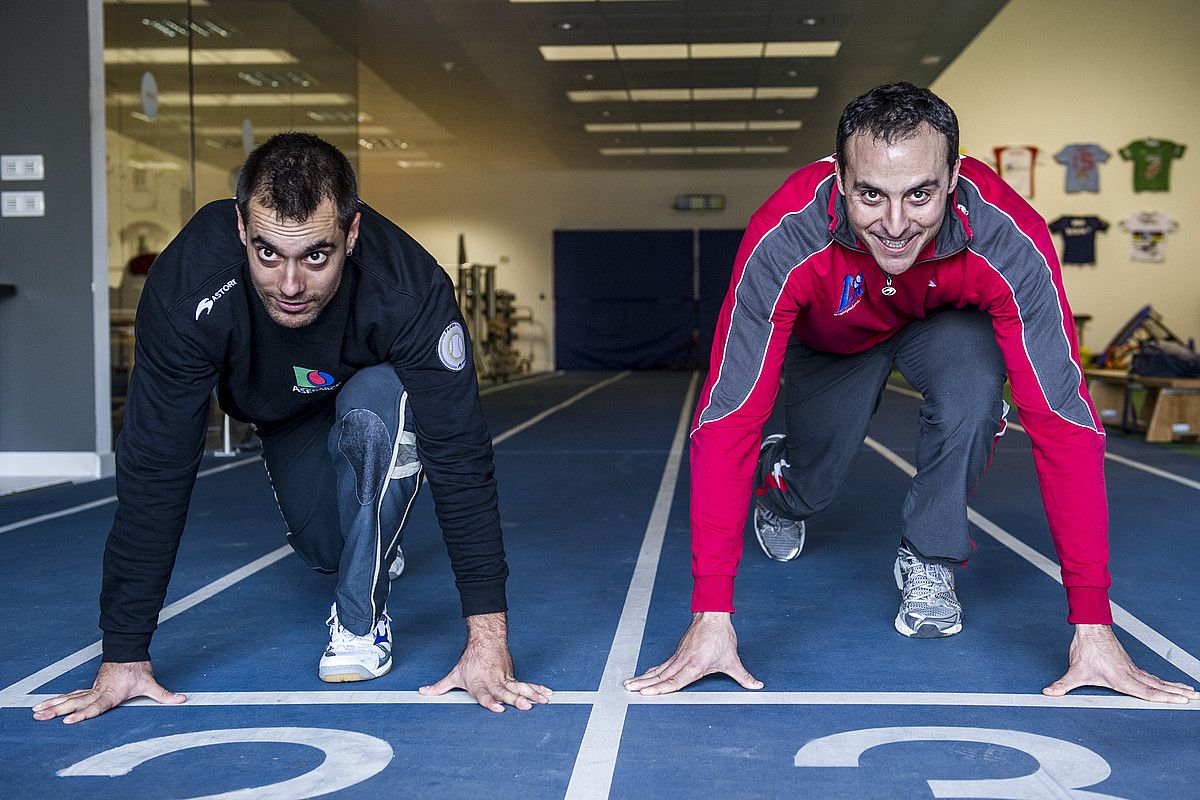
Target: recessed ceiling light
<point x="930" y="60"/>
<point x="684" y="51"/>
<point x="791" y="73"/>
<point x="809" y="21"/>
<point x="694" y="94"/>
<point x="564" y="26"/>
<point x="587" y="76"/>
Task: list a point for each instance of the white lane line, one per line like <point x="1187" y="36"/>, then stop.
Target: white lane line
<point x="686" y="698"/>
<point x="1128" y="462"/>
<point x="500" y="387"/>
<point x="1164" y="647"/>
<point x="593" y="772"/>
<point x="12" y="526"/>
<point x="575" y="398"/>
<point x="65" y="665"/>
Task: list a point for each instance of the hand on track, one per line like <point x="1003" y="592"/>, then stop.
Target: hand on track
<point x="708" y="646"/>
<point x="1097" y="659"/>
<point x="115" y="683"/>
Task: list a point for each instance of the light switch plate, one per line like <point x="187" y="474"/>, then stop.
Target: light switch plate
<point x="23" y="204"/>
<point x="22" y="168"/>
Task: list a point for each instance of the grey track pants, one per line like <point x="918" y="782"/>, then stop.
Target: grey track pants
<point x="951" y="357"/>
<point x="345" y="480"/>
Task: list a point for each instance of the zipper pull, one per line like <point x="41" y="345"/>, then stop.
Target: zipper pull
<point x="889" y="290"/>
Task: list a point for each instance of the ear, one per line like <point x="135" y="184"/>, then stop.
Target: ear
<point x="241" y="224"/>
<point x="837" y="177"/>
<point x="352" y="234"/>
<point x="954" y="176"/>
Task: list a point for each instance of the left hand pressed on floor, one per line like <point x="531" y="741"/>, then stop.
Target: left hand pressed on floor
<point x="1097" y="659"/>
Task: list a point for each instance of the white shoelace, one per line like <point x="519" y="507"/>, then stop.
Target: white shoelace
<point x="926" y="583"/>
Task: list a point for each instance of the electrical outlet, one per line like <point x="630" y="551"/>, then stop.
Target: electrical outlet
<point x="22" y="168"/>
<point x="23" y="204"/>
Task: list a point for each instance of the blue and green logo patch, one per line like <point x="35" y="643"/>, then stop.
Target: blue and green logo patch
<point x="313" y="380"/>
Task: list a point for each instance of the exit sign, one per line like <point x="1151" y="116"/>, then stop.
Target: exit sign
<point x="699" y="202"/>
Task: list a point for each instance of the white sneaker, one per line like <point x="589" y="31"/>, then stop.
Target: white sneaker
<point x="397" y="566"/>
<point x="356" y="658"/>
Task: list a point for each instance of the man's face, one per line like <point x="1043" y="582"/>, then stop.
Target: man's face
<point x="896" y="194"/>
<point x="296" y="267"/>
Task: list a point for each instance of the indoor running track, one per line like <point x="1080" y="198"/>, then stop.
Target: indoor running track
<point x="593" y="486"/>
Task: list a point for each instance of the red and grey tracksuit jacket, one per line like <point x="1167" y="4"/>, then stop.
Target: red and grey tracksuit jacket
<point x="797" y="273"/>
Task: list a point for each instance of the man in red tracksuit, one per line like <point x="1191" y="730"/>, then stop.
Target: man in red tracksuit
<point x="896" y="251"/>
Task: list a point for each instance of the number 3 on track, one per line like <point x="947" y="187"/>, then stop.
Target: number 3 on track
<point x="1063" y="770"/>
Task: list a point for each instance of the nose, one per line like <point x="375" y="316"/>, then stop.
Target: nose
<point x="894" y="221"/>
<point x="291" y="284"/>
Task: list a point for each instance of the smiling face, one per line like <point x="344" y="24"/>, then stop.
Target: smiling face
<point x="296" y="267"/>
<point x="896" y="193"/>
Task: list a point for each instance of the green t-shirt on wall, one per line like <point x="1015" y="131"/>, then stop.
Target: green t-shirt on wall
<point x="1152" y="163"/>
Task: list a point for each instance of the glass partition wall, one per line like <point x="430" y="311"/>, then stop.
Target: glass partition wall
<point x="190" y="87"/>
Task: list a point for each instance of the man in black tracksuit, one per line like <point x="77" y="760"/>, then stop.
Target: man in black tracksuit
<point x="335" y="333"/>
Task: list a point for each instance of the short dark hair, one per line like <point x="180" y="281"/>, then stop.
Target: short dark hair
<point x="893" y="112"/>
<point x="292" y="173"/>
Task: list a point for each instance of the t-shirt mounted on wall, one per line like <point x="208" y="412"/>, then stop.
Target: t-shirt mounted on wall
<point x="1152" y="163"/>
<point x="1083" y="166"/>
<point x="1079" y="237"/>
<point x="1149" y="230"/>
<point x="1015" y="165"/>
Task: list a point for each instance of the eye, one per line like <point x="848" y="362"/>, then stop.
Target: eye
<point x="316" y="258"/>
<point x="920" y="196"/>
<point x="266" y="254"/>
<point x="871" y="196"/>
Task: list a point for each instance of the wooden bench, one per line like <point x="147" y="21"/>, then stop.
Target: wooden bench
<point x="1171" y="410"/>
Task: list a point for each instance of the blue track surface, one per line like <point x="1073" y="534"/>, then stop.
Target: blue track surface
<point x="577" y="493"/>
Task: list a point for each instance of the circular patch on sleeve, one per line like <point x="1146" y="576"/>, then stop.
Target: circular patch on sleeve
<point x="452" y="347"/>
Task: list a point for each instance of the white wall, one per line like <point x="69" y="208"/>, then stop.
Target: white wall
<point x="1048" y="74"/>
<point x="507" y="216"/>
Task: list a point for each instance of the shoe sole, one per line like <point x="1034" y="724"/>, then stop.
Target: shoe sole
<point x="349" y="673"/>
<point x="930" y="631"/>
<point x="925" y="631"/>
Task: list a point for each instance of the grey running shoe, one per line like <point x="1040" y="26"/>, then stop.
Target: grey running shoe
<point x="928" y="607"/>
<point x="397" y="566"/>
<point x="780" y="538"/>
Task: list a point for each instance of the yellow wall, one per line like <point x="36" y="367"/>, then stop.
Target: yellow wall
<point x="1048" y="74"/>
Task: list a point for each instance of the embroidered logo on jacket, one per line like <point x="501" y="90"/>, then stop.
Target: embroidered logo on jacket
<point x="452" y="347"/>
<point x="852" y="292"/>
<point x="205" y="305"/>
<point x="313" y="380"/>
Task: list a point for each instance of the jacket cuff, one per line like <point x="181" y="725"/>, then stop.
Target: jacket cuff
<point x="1088" y="606"/>
<point x="712" y="593"/>
<point x="483" y="598"/>
<point x="126" y="647"/>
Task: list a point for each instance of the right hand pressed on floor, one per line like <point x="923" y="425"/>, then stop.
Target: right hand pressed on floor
<point x="115" y="683"/>
<point x="708" y="646"/>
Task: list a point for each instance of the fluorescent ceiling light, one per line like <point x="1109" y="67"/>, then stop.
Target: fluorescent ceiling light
<point x="733" y="150"/>
<point x="671" y="51"/>
<point x="578" y="52"/>
<point x="727" y="50"/>
<point x="611" y="127"/>
<point x="785" y="92"/>
<point x="651" y="52"/>
<point x="330" y="130"/>
<point x="664" y="127"/>
<point x="724" y="93"/>
<point x="154" y="2"/>
<point x="223" y="100"/>
<point x="659" y="95"/>
<point x="200" y="55"/>
<point x="716" y="125"/>
<point x="802" y="49"/>
<point x="685" y="95"/>
<point x="775" y="124"/>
